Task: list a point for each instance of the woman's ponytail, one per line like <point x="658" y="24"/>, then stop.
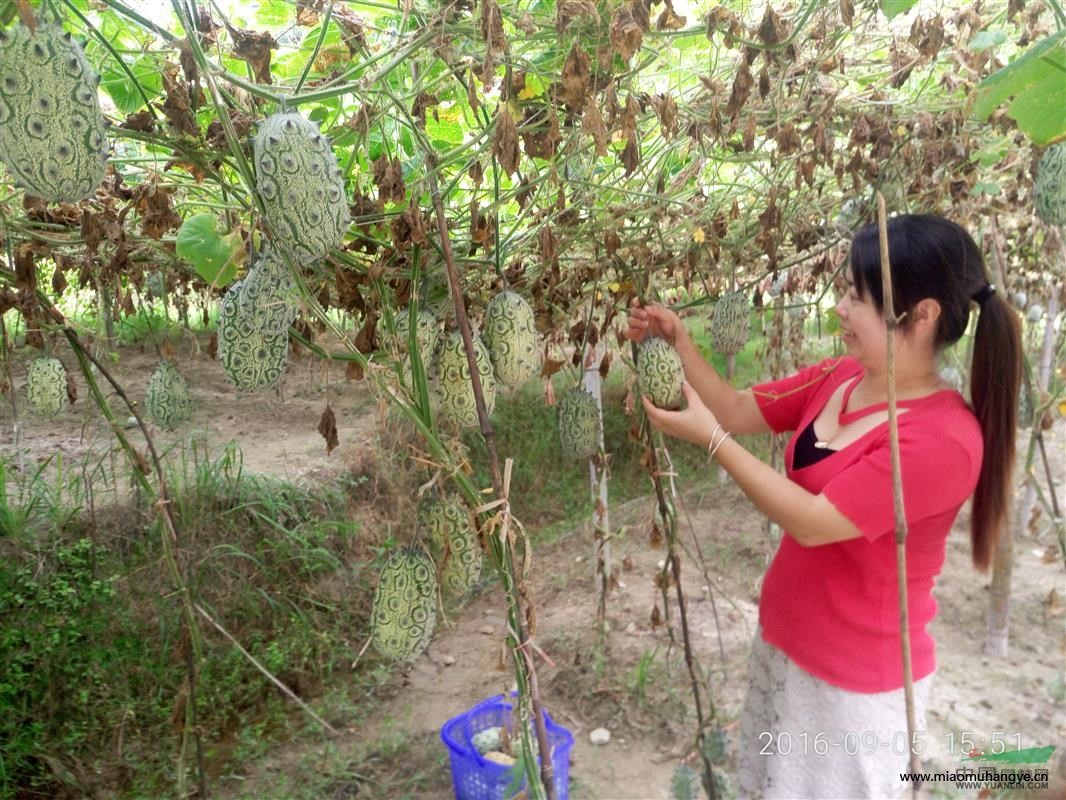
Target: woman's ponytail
<point x="995" y="379"/>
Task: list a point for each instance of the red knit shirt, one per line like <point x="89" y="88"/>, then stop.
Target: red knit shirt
<point x="833" y="609"/>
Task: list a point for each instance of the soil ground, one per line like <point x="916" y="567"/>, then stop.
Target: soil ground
<point x="633" y="682"/>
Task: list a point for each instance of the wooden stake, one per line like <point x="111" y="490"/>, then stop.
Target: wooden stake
<point x="891" y="323"/>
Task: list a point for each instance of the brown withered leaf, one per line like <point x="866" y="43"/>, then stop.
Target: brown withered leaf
<point x="742" y="85"/>
<point x="847" y="12"/>
<point x="364" y="339"/>
<point x="25" y="269"/>
<point x="549" y="366"/>
<point x="670" y="20"/>
<point x="216" y="134"/>
<point x="68" y="214"/>
<point x="666" y="110"/>
<point x="626" y="33"/>
<point x="153" y="204"/>
<point x="388" y="177"/>
<point x="605" y="365"/>
<point x="354" y="371"/>
<point x="254" y="48"/>
<point x="540" y="140"/>
<point x="631" y="155"/>
<point x="749" y="133"/>
<point x="409" y="228"/>
<point x="567" y="11"/>
<point x="491" y="27"/>
<point x="592" y="124"/>
<point x="575" y="77"/>
<point x="327" y="426"/>
<point x="59" y="281"/>
<point x="611" y="243"/>
<point x="179" y="162"/>
<point x="656" y="616"/>
<point x="423" y="101"/>
<point x="505" y="140"/>
<point x="178" y="105"/>
<point x="142" y="121"/>
<point x="307" y="12"/>
<point x="655" y="536"/>
<point x="772" y="30"/>
<point x="353" y="25"/>
<point x="788" y="140"/>
<point x="477" y="174"/>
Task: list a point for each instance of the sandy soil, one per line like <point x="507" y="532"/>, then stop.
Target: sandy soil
<point x="1019" y="697"/>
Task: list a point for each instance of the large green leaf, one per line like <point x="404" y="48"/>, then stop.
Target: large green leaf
<point x="212" y="256"/>
<point x="893" y="8"/>
<point x="115" y="81"/>
<point x="1035" y="85"/>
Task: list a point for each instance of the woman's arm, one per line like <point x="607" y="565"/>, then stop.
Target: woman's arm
<point x="737" y="410"/>
<point x="809" y="518"/>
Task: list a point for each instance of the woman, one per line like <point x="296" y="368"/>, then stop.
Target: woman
<point x="825" y="714"/>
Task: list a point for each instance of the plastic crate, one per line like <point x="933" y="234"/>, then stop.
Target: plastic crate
<point x="474" y="777"/>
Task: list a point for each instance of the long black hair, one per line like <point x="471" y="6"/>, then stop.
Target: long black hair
<point x="935" y="258"/>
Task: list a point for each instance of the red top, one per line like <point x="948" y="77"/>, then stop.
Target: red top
<point x="833" y="609"/>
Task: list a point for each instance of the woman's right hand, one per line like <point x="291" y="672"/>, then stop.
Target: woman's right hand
<point x="653" y="320"/>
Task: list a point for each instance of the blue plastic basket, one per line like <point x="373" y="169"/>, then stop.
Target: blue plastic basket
<point x="475" y="778"/>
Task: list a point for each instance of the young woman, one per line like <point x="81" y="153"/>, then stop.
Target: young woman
<point x="824" y="715"/>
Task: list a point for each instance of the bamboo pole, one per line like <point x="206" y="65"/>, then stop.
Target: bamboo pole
<point x="891" y="323"/>
<point x="523" y="660"/>
<point x="601" y="546"/>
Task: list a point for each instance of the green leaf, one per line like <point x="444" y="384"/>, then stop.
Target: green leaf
<point x="115" y="81"/>
<point x="211" y="255"/>
<point x="986" y="40"/>
<point x="985" y="187"/>
<point x="893" y="8"/>
<point x="273" y="12"/>
<point x="1035" y="85"/>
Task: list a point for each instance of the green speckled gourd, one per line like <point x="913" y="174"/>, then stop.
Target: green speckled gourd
<point x="455" y="390"/>
<point x="53" y="136"/>
<point x="449" y="533"/>
<point x="427" y="332"/>
<point x="511" y="337"/>
<point x="301" y="186"/>
<point x="269" y="297"/>
<point x="731" y="323"/>
<point x="405" y="605"/>
<point x="167" y="398"/>
<point x="46" y="386"/>
<point x="251" y="359"/>
<point x="1049" y="192"/>
<point x="660" y="372"/>
<point x="578" y="419"/>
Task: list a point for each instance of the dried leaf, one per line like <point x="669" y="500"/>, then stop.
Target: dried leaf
<point x="611" y="243"/>
<point x="59" y="281"/>
<point x="153" y="204"/>
<point x="666" y="110"/>
<point x="491" y="27"/>
<point x="631" y="155"/>
<point x="549" y="366"/>
<point x="575" y="78"/>
<point x="592" y="124"/>
<point x="847" y="12"/>
<point x="1053" y="605"/>
<point x="388" y="177"/>
<point x="364" y="339"/>
<point x="605" y="365"/>
<point x="670" y="20"/>
<point x="772" y="30"/>
<point x="569" y="10"/>
<point x="742" y="85"/>
<point x="178" y="105"/>
<point x="307" y="12"/>
<point x="327" y="426"/>
<point x="254" y="48"/>
<point x="72" y="388"/>
<point x="142" y="121"/>
<point x="656" y="616"/>
<point x="353" y="26"/>
<point x="354" y="371"/>
<point x="505" y="140"/>
<point x="626" y="33"/>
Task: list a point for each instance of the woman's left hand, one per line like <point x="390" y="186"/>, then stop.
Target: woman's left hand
<point x="694" y="423"/>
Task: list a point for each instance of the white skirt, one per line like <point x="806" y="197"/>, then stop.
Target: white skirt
<point x="804" y="739"/>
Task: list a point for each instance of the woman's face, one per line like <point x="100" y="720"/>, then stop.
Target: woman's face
<point x="862" y="325"/>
